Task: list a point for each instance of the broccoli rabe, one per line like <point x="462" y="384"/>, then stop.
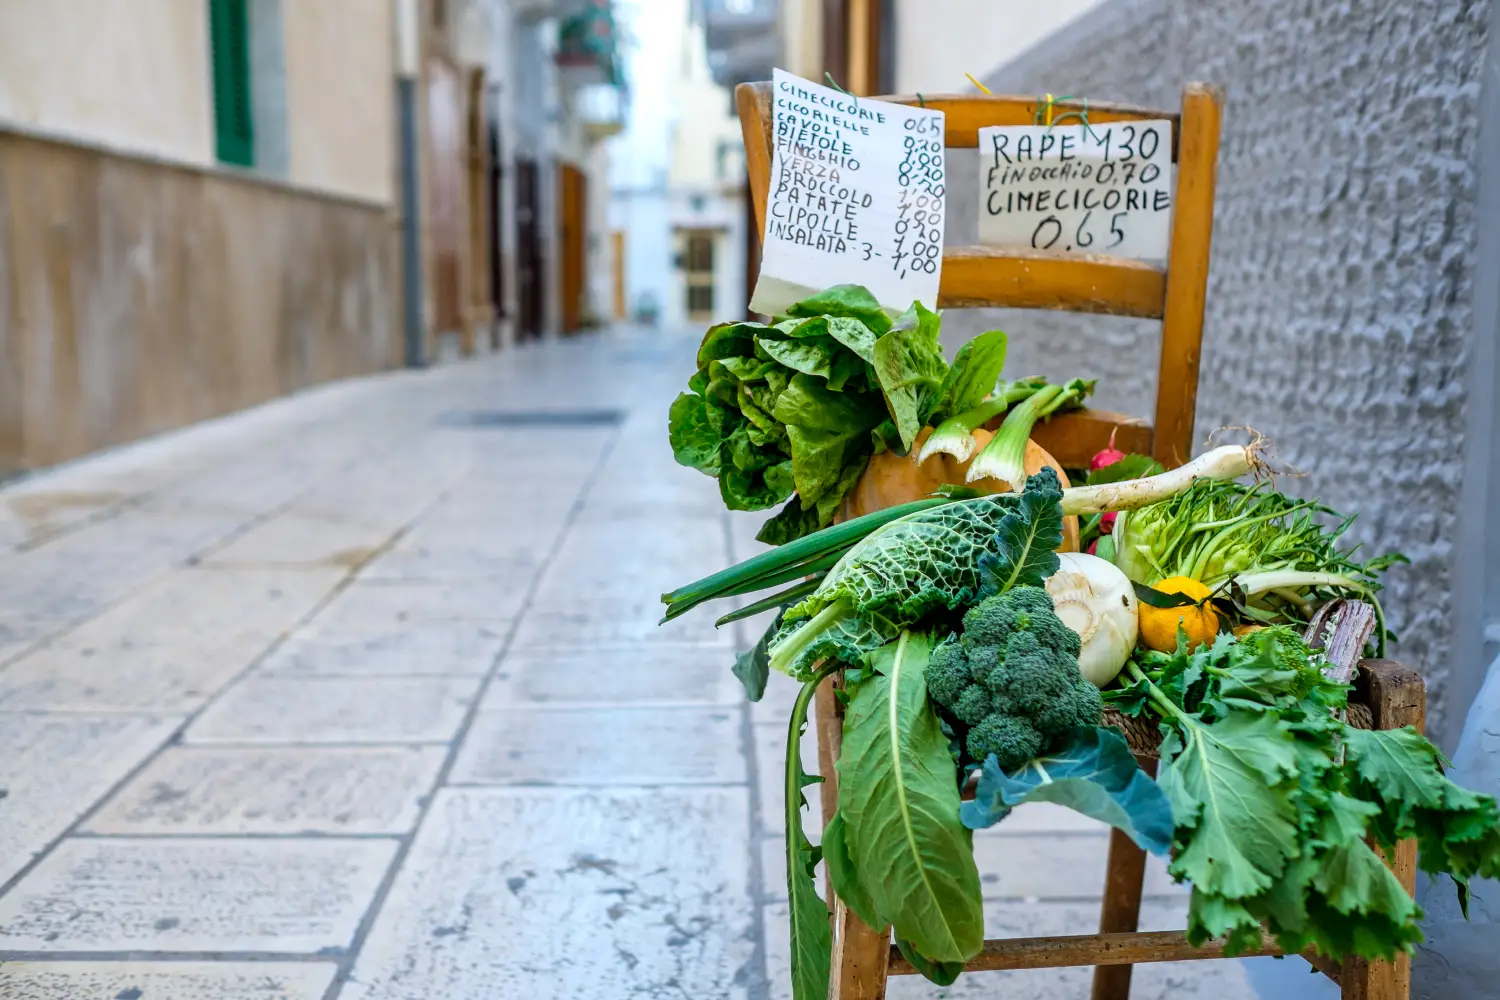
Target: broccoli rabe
<point x="1013" y="678"/>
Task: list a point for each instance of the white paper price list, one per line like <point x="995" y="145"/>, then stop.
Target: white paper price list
<point x="919" y="207"/>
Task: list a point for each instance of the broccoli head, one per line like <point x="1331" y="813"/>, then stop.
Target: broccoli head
<point x="1013" y="678"/>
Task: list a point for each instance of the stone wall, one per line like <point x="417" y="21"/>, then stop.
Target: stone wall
<point x="138" y="296"/>
<point x="1340" y="299"/>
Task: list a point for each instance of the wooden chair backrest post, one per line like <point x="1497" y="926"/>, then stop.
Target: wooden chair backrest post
<point x="995" y="277"/>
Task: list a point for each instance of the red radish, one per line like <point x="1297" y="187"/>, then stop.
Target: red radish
<point x="1094" y="545"/>
<point x="1109" y="456"/>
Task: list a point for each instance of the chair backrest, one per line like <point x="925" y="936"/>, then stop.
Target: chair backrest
<point x="984" y="276"/>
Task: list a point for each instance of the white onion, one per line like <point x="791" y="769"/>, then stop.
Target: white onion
<point x="1094" y="598"/>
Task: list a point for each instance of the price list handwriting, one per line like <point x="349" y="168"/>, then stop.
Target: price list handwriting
<point x="918" y="228"/>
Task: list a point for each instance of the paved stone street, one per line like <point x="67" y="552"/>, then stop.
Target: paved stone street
<point x="361" y="694"/>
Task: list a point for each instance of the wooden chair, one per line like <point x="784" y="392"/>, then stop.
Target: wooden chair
<point x="981" y="276"/>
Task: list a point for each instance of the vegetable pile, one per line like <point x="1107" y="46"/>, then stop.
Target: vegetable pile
<point x="797" y="409"/>
<point x="972" y="657"/>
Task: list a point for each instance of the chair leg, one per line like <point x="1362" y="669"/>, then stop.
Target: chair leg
<point x="861" y="958"/>
<point x="1123" y="881"/>
<point x="1365" y="980"/>
<point x="830" y="723"/>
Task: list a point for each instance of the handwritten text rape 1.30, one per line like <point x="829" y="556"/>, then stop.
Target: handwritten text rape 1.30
<point x="1100" y="189"/>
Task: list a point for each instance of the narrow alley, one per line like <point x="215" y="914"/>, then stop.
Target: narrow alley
<point x="361" y="694"/>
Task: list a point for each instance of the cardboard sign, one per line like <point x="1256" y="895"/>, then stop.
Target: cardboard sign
<point x="1103" y="189"/>
<point x="856" y="197"/>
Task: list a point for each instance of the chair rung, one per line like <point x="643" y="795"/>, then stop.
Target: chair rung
<point x="1136" y="948"/>
<point x="980" y="276"/>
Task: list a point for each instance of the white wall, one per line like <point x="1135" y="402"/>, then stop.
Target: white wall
<point x="340" y="80"/>
<point x="128" y="74"/>
<point x="938" y="41"/>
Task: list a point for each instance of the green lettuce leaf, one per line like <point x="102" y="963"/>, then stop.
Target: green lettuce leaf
<point x="1457" y="830"/>
<point x="910" y="368"/>
<point x="973" y="374"/>
<point x="1096" y="774"/>
<point x="854" y="335"/>
<point x="851" y="301"/>
<point x="728" y="340"/>
<point x="841" y="873"/>
<point x="789" y="523"/>
<point x="827" y="432"/>
<point x="900" y="802"/>
<point x="810" y="356"/>
<point x="695" y="440"/>
<point x="753" y="667"/>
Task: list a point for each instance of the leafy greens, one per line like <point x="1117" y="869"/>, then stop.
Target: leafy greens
<point x="794" y="411"/>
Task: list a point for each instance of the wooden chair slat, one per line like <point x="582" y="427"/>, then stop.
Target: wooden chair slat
<point x="1000" y="277"/>
<point x="965" y="114"/>
<point x="1074" y="438"/>
<point x="1125" y="949"/>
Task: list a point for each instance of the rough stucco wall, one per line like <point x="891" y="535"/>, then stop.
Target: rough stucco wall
<point x="1340" y="292"/>
<point x="128" y="74"/>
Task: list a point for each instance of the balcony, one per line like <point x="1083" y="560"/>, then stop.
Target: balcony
<point x="588" y="47"/>
<point x="600" y="110"/>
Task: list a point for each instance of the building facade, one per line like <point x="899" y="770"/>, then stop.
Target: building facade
<point x="203" y="203"/>
<point x="195" y="212"/>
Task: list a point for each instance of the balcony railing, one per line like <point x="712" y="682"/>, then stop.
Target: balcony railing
<point x="588" y="46"/>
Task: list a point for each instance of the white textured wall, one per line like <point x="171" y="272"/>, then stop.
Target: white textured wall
<point x="129" y="74"/>
<point x="340" y="85"/>
<point x="938" y="41"/>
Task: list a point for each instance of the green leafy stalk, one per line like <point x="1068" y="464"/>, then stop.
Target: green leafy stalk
<point x="900" y="808"/>
<point x="955" y="436"/>
<point x="812" y="936"/>
<point x="1004" y="457"/>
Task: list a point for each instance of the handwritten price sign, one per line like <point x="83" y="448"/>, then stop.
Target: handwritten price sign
<point x="1103" y="189"/>
<point x="857" y="196"/>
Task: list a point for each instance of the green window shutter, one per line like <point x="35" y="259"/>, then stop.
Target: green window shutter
<point x="234" y="133"/>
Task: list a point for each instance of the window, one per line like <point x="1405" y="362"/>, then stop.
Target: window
<point x="698" y="274"/>
<point x="234" y="121"/>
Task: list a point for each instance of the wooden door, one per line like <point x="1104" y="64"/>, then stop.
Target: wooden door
<point x="531" y="289"/>
<point x="572" y="224"/>
<point x="480" y="313"/>
<point x="497" y="228"/>
<point x="447" y="227"/>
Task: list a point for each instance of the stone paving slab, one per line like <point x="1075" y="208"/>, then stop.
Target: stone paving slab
<point x="587" y="895"/>
<point x="628" y="674"/>
<point x="53" y="769"/>
<point x="371" y="605"/>
<point x="413" y="649"/>
<point x="283" y="790"/>
<point x="169" y="648"/>
<point x="165" y="980"/>
<point x="658" y="745"/>
<point x="294" y="539"/>
<point x="281" y="896"/>
<point x="770" y="773"/>
<point x="614" y="622"/>
<point x="274" y="710"/>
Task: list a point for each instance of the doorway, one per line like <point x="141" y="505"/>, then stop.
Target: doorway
<point x="572" y="222"/>
<point x="530" y="277"/>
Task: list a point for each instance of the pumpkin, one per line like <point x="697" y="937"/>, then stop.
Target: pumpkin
<point x="892" y="479"/>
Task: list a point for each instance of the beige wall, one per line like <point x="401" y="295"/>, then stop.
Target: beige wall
<point x="802" y="38"/>
<point x="938" y="41"/>
<point x="340" y="83"/>
<point x="130" y="74"/>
